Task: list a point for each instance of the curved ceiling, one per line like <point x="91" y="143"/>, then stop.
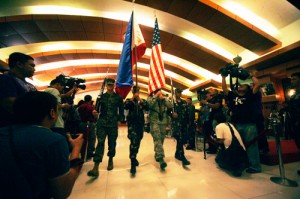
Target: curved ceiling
<point x="84" y="39"/>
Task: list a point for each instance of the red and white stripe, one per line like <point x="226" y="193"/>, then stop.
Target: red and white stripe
<point x="157" y="70"/>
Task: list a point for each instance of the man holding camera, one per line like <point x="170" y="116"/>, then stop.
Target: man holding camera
<point x="212" y="104"/>
<point x="56" y="88"/>
<point x="241" y="102"/>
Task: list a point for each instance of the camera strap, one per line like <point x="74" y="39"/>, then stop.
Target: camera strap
<point x="236" y="83"/>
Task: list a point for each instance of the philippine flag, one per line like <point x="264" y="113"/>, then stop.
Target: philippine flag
<point x="133" y="49"/>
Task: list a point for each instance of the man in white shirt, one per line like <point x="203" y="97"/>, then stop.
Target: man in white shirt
<point x="234" y="158"/>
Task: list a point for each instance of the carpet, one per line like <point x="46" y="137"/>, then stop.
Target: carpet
<point x="290" y="153"/>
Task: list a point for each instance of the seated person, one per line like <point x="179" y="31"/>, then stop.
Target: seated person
<point x="232" y="155"/>
<point x="34" y="160"/>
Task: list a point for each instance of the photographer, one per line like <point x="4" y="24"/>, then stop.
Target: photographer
<point x="212" y="104"/>
<point x="241" y="101"/>
<point x="56" y="88"/>
<point x="232" y="153"/>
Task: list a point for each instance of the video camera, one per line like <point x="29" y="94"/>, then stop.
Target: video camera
<point x="70" y="82"/>
<point x="201" y="94"/>
<point x="234" y="71"/>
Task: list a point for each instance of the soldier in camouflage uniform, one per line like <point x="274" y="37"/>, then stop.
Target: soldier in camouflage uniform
<point x="135" y="120"/>
<point x="111" y="111"/>
<point x="179" y="125"/>
<point x="191" y="127"/>
<point x="158" y="107"/>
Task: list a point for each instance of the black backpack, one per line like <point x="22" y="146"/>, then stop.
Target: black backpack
<point x="234" y="157"/>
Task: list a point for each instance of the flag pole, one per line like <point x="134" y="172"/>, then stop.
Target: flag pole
<point x="134" y="49"/>
<point x="172" y="93"/>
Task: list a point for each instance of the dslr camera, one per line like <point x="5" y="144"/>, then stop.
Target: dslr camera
<point x="234" y="71"/>
<point x="201" y="94"/>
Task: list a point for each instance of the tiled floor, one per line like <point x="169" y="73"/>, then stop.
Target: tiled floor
<point x="202" y="179"/>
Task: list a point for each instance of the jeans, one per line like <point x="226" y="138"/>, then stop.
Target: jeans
<point x="248" y="132"/>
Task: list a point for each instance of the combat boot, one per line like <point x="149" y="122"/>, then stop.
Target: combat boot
<point x="135" y="162"/>
<point x="177" y="156"/>
<point x="185" y="161"/>
<point x="133" y="169"/>
<point x="93" y="173"/>
<point x="110" y="165"/>
<point x="163" y="164"/>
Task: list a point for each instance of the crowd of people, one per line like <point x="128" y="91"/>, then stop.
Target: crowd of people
<point x="44" y="153"/>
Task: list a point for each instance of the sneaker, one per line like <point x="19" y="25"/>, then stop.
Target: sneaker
<point x="185" y="161"/>
<point x="250" y="170"/>
<point x="93" y="173"/>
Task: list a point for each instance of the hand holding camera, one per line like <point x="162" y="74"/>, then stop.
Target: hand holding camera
<point x="76" y="140"/>
<point x="234" y="71"/>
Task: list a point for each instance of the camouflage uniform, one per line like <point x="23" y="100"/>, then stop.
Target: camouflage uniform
<point x="135" y="123"/>
<point x="179" y="126"/>
<point x="191" y="127"/>
<point x="112" y="111"/>
<point x="158" y="123"/>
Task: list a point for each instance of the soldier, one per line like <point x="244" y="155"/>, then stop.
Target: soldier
<point x="111" y="111"/>
<point x="135" y="118"/>
<point x="179" y="125"/>
<point x="158" y="107"/>
<point x="191" y="124"/>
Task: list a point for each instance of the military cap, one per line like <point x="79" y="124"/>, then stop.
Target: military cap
<point x="178" y="90"/>
<point x="110" y="81"/>
<point x="135" y="89"/>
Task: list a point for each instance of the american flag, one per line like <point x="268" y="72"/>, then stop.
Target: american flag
<point x="157" y="69"/>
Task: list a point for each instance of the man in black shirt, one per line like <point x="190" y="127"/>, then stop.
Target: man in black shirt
<point x="293" y="108"/>
<point x="213" y="101"/>
<point x="241" y="102"/>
